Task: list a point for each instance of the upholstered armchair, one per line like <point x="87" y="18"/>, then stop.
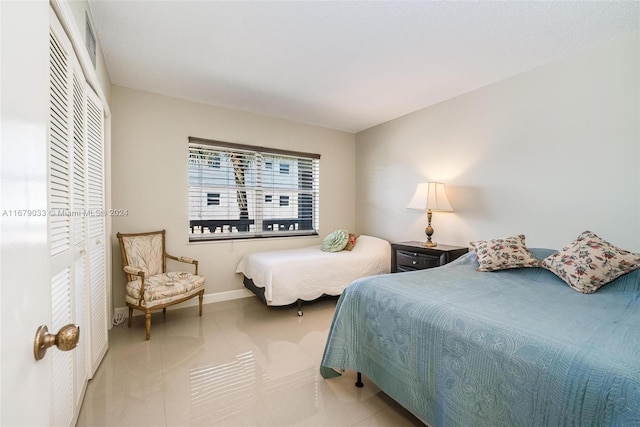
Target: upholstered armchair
<point x="149" y="286"/>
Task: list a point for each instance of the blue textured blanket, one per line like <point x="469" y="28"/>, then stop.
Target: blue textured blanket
<point x="458" y="347"/>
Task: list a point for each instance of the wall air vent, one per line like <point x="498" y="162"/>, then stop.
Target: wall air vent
<point x="90" y="40"/>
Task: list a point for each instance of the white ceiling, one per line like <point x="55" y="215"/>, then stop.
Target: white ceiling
<point x="343" y="65"/>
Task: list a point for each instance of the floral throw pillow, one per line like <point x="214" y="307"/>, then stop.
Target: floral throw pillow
<point x="590" y="262"/>
<point x="351" y="242"/>
<point x="502" y="254"/>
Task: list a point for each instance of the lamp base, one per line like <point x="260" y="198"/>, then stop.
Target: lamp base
<point x="429" y="232"/>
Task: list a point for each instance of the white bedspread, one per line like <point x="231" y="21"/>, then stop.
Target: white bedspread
<point x="308" y="273"/>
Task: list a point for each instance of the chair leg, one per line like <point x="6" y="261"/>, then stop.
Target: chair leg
<point x="164" y="310"/>
<point x="130" y="316"/>
<point x="200" y="298"/>
<point x="147" y="324"/>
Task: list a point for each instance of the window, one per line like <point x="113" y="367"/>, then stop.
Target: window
<point x="215" y="162"/>
<point x="232" y="188"/>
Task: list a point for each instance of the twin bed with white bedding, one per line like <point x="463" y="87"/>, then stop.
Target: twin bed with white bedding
<point x="284" y="277"/>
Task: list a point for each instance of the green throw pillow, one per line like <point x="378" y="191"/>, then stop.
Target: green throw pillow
<point x="336" y="241"/>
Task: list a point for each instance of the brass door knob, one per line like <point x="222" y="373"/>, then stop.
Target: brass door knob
<point x="66" y="339"/>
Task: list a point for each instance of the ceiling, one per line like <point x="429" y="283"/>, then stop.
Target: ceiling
<point x="340" y="64"/>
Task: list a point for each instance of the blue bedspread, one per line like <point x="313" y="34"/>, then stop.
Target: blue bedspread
<point x="457" y="347"/>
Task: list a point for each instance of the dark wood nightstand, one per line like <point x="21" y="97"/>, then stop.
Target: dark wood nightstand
<point x="410" y="256"/>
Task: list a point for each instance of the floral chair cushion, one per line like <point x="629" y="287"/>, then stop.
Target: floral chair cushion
<point x="589" y="262"/>
<point x="164" y="288"/>
<point x="505" y="253"/>
<point x="144" y="252"/>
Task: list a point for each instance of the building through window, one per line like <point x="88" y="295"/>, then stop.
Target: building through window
<point x="213" y="199"/>
<point x="232" y="188"/>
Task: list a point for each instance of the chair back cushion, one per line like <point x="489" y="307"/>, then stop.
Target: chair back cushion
<point x="144" y="252"/>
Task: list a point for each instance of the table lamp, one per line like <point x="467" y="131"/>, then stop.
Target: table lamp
<point x="430" y="196"/>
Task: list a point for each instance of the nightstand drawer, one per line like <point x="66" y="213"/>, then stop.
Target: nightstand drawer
<point x="410" y="256"/>
<point x="415" y="261"/>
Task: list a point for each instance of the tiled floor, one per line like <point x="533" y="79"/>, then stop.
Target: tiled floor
<point x="240" y="364"/>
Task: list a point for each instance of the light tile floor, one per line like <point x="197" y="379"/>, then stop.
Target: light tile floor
<point x="240" y="364"/>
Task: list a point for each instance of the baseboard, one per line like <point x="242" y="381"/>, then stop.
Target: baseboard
<point x="123" y="312"/>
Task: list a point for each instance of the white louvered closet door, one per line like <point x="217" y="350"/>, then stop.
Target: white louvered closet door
<point x="63" y="280"/>
<point x="76" y="207"/>
<point x="96" y="232"/>
<point x="78" y="227"/>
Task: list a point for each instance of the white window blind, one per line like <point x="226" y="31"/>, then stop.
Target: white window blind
<point x="232" y="188"/>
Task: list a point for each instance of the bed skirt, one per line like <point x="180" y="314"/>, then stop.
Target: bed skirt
<point x="259" y="292"/>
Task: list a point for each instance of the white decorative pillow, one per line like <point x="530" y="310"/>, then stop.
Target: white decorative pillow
<point x="590" y="262"/>
<point x="335" y="241"/>
<point x="502" y="254"/>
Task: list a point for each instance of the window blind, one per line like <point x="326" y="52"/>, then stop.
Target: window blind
<point x="242" y="191"/>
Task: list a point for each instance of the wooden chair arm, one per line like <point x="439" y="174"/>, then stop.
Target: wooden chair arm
<point x="135" y="271"/>
<point x="184" y="259"/>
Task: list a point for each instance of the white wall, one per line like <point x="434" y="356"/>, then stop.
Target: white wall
<point x="149" y="178"/>
<point x="548" y="153"/>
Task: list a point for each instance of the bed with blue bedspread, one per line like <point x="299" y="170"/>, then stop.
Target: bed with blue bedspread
<point x="458" y="347"/>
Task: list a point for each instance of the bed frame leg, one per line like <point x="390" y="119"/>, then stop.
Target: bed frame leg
<point x="300" y="313"/>
<point x="359" y="382"/>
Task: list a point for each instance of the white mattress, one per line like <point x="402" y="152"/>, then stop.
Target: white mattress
<point x="308" y="273"/>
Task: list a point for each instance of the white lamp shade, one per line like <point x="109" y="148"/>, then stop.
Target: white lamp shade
<point x="430" y="195"/>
